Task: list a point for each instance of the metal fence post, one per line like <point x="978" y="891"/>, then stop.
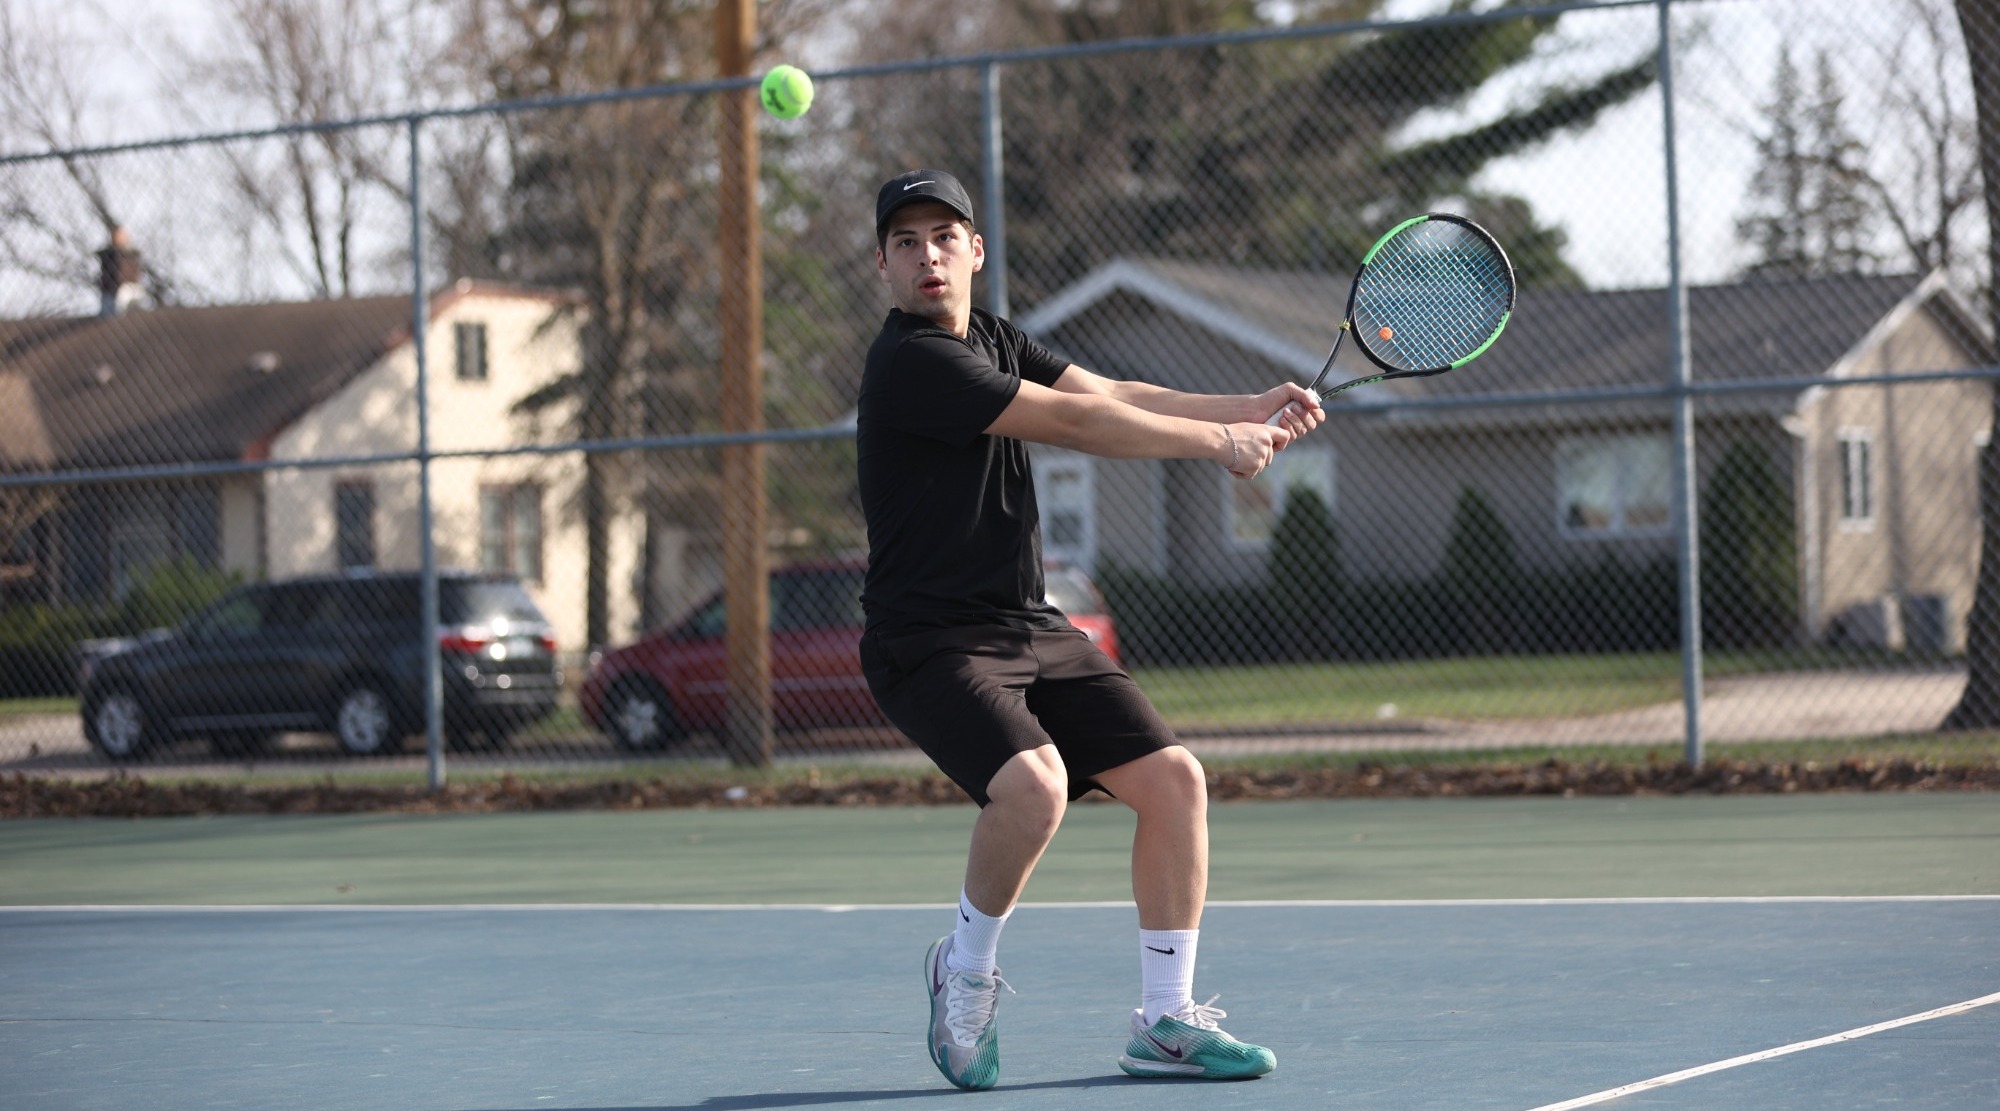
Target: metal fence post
<point x="1686" y="515"/>
<point x="995" y="216"/>
<point x="420" y="322"/>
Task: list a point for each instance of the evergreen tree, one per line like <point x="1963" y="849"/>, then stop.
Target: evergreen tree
<point x="1749" y="553"/>
<point x="1809" y="211"/>
<point x="1277" y="154"/>
<point x="1307" y="575"/>
<point x="1842" y="214"/>
<point x="1481" y="575"/>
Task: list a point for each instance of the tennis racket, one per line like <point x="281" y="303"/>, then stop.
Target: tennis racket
<point x="1430" y="296"/>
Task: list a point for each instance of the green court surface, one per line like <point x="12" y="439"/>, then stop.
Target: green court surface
<point x="1707" y="846"/>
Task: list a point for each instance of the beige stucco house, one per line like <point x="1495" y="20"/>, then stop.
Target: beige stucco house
<point x="274" y="412"/>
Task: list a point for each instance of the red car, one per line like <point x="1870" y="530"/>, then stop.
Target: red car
<point x="650" y="694"/>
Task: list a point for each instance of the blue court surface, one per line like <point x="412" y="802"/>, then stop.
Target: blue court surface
<point x="1812" y="1003"/>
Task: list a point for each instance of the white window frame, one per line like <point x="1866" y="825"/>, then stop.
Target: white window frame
<point x="1858" y="501"/>
<point x="470" y="352"/>
<point x="1625" y="448"/>
<point x="1307" y="464"/>
<point x="504" y="538"/>
<point x="341" y="523"/>
<point x="1051" y="467"/>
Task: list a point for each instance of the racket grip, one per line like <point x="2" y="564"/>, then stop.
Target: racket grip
<point x="1281" y="412"/>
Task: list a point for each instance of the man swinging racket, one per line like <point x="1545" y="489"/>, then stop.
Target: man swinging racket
<point x="967" y="657"/>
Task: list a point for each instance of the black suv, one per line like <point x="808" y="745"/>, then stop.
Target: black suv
<point x="336" y="654"/>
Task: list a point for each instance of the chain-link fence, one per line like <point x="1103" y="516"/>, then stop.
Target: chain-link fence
<point x="1751" y="407"/>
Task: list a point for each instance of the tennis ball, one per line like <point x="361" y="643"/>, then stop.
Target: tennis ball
<point x="1386" y="332"/>
<point x="787" y="92"/>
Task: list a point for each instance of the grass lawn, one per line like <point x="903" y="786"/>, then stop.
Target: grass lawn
<point x="1279" y="695"/>
<point x="22" y="707"/>
<point x="1472" y="687"/>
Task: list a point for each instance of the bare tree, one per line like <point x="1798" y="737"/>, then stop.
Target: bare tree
<point x="54" y="216"/>
<point x="1808" y="210"/>
<point x="1931" y="186"/>
<point x="616" y="200"/>
<point x="318" y="62"/>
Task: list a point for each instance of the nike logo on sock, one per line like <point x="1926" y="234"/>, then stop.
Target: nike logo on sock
<point x="1168" y="952"/>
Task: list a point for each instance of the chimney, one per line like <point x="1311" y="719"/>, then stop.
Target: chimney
<point x="118" y="274"/>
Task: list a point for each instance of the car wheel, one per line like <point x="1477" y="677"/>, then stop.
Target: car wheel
<point x="120" y="725"/>
<point x="364" y="722"/>
<point x="640" y="717"/>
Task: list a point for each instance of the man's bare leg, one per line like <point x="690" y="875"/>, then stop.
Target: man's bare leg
<point x="1025" y="803"/>
<point x="1169" y="792"/>
<point x="1172" y="1035"/>
<point x="1027" y="799"/>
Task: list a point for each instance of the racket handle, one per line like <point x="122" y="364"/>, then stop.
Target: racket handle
<point x="1281" y="412"/>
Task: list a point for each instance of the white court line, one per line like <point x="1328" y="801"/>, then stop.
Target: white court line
<point x="1766" y="1055"/>
<point x="1125" y="904"/>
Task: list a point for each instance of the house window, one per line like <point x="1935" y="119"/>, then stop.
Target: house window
<point x="510" y="530"/>
<point x="1614" y="485"/>
<point x="1254" y="508"/>
<point x="198" y="525"/>
<point x="1857" y="478"/>
<point x="354" y="524"/>
<point x="469" y="344"/>
<point x="1065" y="486"/>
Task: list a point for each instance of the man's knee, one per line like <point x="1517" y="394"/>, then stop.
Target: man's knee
<point x="1184" y="777"/>
<point x="1033" y="786"/>
<point x="1171" y="777"/>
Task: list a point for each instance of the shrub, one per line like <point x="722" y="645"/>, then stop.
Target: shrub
<point x="1307" y="580"/>
<point x="1749" y="554"/>
<point x="169" y="593"/>
<point x="1481" y="578"/>
<point x="37" y="648"/>
<point x="38" y="642"/>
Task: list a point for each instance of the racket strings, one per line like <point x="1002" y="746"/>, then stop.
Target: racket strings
<point x="1432" y="296"/>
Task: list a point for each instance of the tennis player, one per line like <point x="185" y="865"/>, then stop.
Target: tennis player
<point x="968" y="658"/>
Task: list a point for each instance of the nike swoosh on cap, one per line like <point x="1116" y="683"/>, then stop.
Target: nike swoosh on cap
<point x="914" y="184"/>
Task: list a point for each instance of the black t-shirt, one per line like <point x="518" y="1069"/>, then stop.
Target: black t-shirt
<point x="953" y="533"/>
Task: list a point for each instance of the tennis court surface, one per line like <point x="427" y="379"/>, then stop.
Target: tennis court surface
<point x="1394" y="955"/>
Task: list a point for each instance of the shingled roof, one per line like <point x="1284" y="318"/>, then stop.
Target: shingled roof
<point x="186" y="385"/>
<point x="1557" y="340"/>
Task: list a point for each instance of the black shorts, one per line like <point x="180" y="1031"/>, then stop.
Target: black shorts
<point x="972" y="697"/>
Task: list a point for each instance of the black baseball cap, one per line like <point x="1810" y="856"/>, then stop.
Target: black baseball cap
<point x="920" y="185"/>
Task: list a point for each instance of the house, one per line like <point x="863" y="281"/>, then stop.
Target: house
<point x="313" y="388"/>
<point x="1883" y="501"/>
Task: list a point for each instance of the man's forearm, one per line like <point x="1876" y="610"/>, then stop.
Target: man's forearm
<point x="1219" y="408"/>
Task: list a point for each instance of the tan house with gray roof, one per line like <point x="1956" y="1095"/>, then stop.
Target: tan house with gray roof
<point x="1884" y="505"/>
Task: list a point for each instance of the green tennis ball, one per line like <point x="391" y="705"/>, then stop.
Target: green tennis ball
<point x="787" y="92"/>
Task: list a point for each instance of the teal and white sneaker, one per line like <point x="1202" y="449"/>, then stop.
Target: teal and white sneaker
<point x="1190" y="1044"/>
<point x="964" y="1040"/>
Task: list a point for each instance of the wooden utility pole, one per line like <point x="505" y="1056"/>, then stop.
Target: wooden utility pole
<point x="746" y="560"/>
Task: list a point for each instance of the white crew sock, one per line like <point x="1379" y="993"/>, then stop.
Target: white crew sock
<point x="976" y="939"/>
<point x="1166" y="970"/>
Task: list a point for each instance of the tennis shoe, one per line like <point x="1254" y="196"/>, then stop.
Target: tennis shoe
<point x="964" y="1040"/>
<point x="1189" y="1043"/>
